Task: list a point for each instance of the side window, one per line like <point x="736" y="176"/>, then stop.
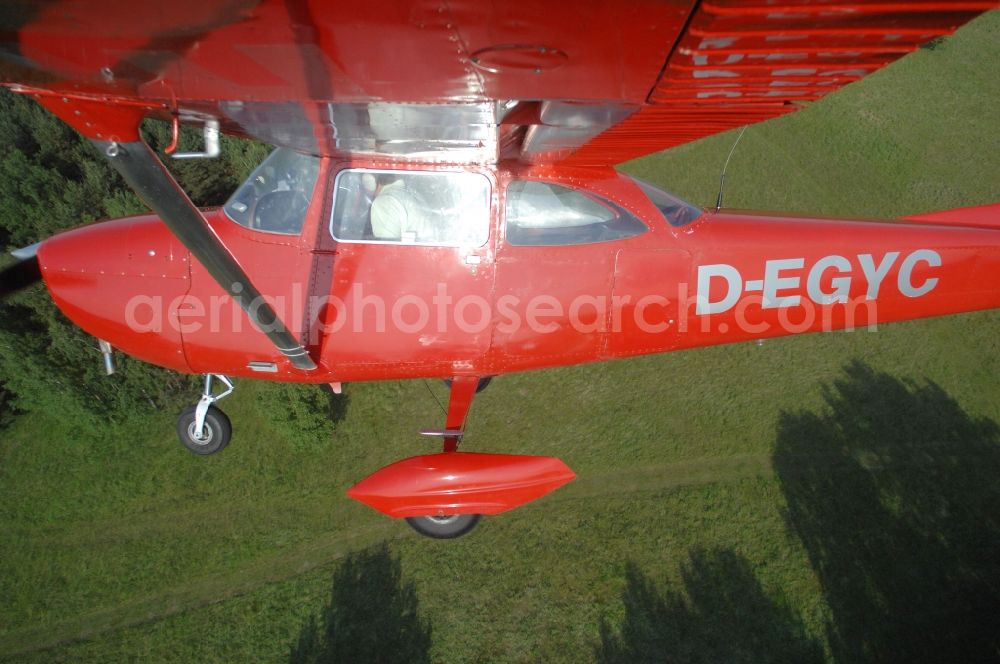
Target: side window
<point x="276" y="195"/>
<point x="408" y="207"/>
<point x="542" y="213"/>
<point x="673" y="209"/>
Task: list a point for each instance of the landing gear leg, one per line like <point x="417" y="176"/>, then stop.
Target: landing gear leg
<point x="203" y="428"/>
<point x="484" y="382"/>
<point x="449" y="526"/>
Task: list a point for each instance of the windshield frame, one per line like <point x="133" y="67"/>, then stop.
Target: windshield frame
<point x="691" y="213"/>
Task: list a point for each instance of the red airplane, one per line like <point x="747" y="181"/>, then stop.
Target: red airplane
<point x="443" y="201"/>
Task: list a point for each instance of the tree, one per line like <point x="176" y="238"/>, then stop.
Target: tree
<point x="51" y="179"/>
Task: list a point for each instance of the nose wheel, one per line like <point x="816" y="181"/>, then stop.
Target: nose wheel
<point x="203" y="428"/>
<point x="215" y="432"/>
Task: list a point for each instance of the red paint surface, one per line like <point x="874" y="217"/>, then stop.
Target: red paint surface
<point x="691" y="69"/>
<point x="460" y="483"/>
<point x="94" y="272"/>
<point x="981" y="216"/>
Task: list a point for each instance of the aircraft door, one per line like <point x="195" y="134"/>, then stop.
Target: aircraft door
<point x="411" y="284"/>
<point x="553" y="301"/>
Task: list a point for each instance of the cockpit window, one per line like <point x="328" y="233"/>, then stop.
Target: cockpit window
<point x="276" y="195"/>
<point x="673" y="209"/>
<point x="411" y="207"/>
<point x="542" y="213"/>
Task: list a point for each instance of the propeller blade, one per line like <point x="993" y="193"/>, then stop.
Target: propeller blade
<point x="19" y="275"/>
<point x="24" y="253"/>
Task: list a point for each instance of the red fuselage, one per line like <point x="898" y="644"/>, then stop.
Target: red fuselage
<point x="377" y="310"/>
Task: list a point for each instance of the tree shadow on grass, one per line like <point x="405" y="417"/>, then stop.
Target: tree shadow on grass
<point x="372" y="616"/>
<point x="895" y="492"/>
<point x="726" y="617"/>
<point x="7" y="410"/>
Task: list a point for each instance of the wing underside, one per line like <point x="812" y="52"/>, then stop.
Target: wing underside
<point x="591" y="82"/>
<point x="741" y="62"/>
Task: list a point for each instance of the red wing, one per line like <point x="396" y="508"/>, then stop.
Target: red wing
<point x="588" y="81"/>
<point x="745" y="61"/>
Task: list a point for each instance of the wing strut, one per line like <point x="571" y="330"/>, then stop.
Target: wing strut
<point x="147" y="175"/>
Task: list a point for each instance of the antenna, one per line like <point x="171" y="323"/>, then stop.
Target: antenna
<point x="722" y="179"/>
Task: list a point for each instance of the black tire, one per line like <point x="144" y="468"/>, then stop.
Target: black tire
<point x="444" y="527"/>
<point x="218" y="431"/>
<point x="484" y="382"/>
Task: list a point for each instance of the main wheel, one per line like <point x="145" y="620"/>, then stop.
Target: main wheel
<point x="215" y="436"/>
<point x="444" y="527"/>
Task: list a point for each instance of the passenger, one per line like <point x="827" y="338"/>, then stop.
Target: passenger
<point x="399" y="214"/>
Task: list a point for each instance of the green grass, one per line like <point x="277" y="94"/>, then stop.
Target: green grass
<point x="828" y="496"/>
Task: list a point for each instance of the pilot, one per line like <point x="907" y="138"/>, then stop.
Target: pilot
<point x="398" y="213"/>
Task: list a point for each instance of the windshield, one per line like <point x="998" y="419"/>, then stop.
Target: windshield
<point x="276" y="195"/>
<point x="673" y="209"/>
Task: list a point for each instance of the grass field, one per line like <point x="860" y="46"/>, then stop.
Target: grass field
<point x="819" y="498"/>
